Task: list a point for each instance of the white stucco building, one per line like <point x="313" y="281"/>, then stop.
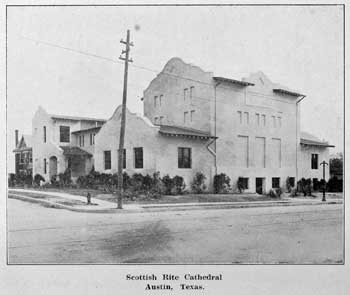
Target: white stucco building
<point x="193" y="121"/>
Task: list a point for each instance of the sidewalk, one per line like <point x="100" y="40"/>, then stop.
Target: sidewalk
<point x="96" y="206"/>
<point x="101" y="206"/>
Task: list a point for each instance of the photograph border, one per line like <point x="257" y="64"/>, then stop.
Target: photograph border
<point x="182" y="5"/>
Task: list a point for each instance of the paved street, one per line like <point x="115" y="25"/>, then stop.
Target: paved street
<point x="298" y="234"/>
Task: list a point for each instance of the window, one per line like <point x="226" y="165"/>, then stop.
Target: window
<point x="30" y="158"/>
<point x="240" y="116"/>
<point x="91" y="139"/>
<point x="257" y="119"/>
<point x="44" y="131"/>
<point x="155" y="101"/>
<point x="192" y="116"/>
<point x="275" y="182"/>
<point x="161" y="118"/>
<point x="263" y="117"/>
<point x="274" y="121"/>
<point x="82" y="137"/>
<point x="81" y="140"/>
<point x="191" y="93"/>
<point x="184" y="157"/>
<point x="185" y="94"/>
<point x="138" y="155"/>
<point x="279" y="122"/>
<point x="21" y="158"/>
<point x="64" y="133"/>
<point x="45" y="171"/>
<point x="160" y="100"/>
<point x="314" y="161"/>
<point x="108" y="162"/>
<point x="185" y="117"/>
<point x="246" y="117"/>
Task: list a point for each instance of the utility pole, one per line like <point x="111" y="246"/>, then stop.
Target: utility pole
<point x="324" y="163"/>
<point x="122" y="123"/>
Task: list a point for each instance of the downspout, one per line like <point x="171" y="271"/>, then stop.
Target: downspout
<point x="296" y="137"/>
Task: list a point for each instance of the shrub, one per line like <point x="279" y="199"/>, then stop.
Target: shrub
<point x="304" y="186"/>
<point x="11" y="179"/>
<point x="179" y="184"/>
<point x="275" y="193"/>
<point x="289" y="184"/>
<point x="316" y="184"/>
<point x="221" y="183"/>
<point x="241" y="185"/>
<point x="23" y="178"/>
<point x="54" y="180"/>
<point x="65" y="179"/>
<point x="335" y="185"/>
<point x="168" y="183"/>
<point x="294" y="193"/>
<point x="198" y="183"/>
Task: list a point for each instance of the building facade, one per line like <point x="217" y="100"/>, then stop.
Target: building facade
<point x="63" y="142"/>
<point x="23" y="154"/>
<point x="193" y="122"/>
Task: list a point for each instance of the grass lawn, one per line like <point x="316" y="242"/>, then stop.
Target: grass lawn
<point x="186" y="198"/>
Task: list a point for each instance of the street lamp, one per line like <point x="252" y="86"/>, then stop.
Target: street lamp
<point x="324" y="163"/>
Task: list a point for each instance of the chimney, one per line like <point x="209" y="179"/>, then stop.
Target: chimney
<point x="16" y="136"/>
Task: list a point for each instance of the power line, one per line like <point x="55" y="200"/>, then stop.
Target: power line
<point x="254" y="93"/>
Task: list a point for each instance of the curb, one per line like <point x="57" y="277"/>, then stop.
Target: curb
<point x="56" y="205"/>
<point x="181" y="207"/>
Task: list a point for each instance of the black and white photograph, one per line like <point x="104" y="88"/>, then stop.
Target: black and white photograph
<point x="184" y="134"/>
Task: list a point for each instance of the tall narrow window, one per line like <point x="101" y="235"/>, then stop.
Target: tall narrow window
<point x="64" y="133"/>
<point x="191" y="94"/>
<point x="138" y="156"/>
<point x="274" y="121"/>
<point x="160" y="100"/>
<point x="45" y="168"/>
<point x="44" y="131"/>
<point x="314" y="161"/>
<point x="240" y="117"/>
<point x="184" y="157"/>
<point x="263" y="117"/>
<point x="275" y="182"/>
<point x="107" y="158"/>
<point x="257" y="119"/>
<point x="185" y="117"/>
<point x="82" y="139"/>
<point x="246" y="117"/>
<point x="279" y="122"/>
<point x="155" y="101"/>
<point x="93" y="138"/>
<point x="185" y="94"/>
<point x="79" y="140"/>
<point x="90" y="138"/>
<point x="192" y="116"/>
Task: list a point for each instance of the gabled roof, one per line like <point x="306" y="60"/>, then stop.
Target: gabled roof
<point x="96" y="129"/>
<point x="284" y="91"/>
<point x="311" y="140"/>
<point x="233" y="81"/>
<point x="26" y="143"/>
<point x="183" y="132"/>
<point x="75" y="118"/>
<point x="74" y="151"/>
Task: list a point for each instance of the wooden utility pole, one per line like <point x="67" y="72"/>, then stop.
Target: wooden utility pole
<point x="122" y="123"/>
<point x="324" y="163"/>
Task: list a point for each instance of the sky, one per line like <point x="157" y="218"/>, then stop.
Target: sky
<point x="66" y="58"/>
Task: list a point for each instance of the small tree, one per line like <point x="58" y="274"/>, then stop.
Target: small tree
<point x="179" y="184"/>
<point x="241" y="184"/>
<point x="168" y="183"/>
<point x="198" y="184"/>
<point x="221" y="183"/>
<point x="37" y="179"/>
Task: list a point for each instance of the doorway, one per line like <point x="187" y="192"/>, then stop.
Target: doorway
<point x="260" y="185"/>
<point x="52" y="166"/>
